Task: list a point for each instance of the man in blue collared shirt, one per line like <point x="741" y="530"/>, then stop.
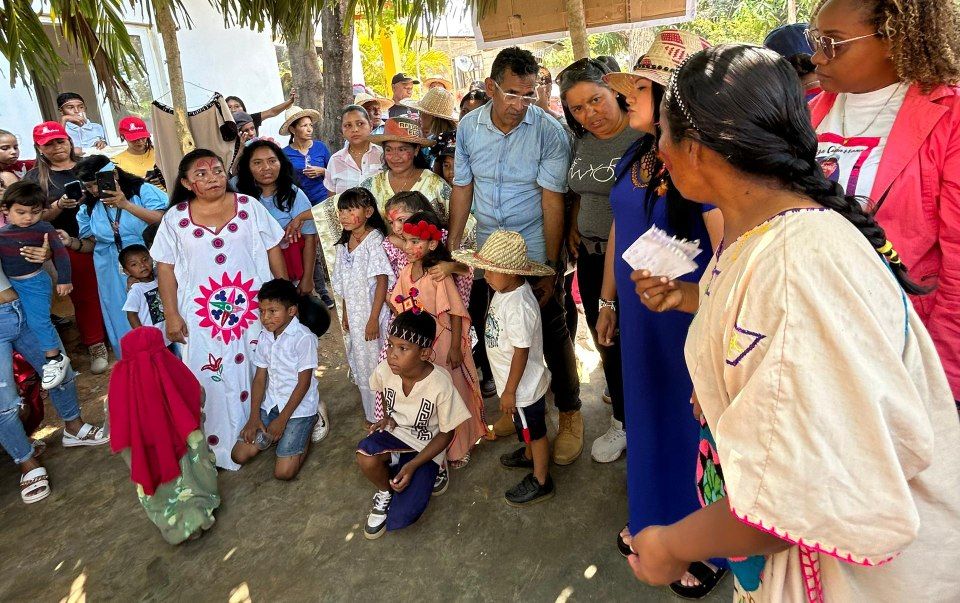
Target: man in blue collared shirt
<point x="83" y="133"/>
<point x="511" y="166"/>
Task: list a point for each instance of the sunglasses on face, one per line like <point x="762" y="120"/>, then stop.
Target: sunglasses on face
<point x="829" y="45"/>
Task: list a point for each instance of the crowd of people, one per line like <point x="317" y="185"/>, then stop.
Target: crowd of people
<point x="787" y="408"/>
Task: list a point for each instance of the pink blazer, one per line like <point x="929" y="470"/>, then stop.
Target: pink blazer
<point x="919" y="173"/>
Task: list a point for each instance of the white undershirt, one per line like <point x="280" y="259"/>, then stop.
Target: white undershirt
<point x="853" y="135"/>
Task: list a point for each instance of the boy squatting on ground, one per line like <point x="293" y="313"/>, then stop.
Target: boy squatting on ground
<point x="23" y="203"/>
<point x="514" y="341"/>
<point x="285" y="401"/>
<point x="405" y="449"/>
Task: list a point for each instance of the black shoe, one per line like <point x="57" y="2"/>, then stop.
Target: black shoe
<point x="60" y="322"/>
<point x="488" y="388"/>
<point x="440" y="484"/>
<point x="529" y="491"/>
<point x="327" y="301"/>
<point x="516" y="459"/>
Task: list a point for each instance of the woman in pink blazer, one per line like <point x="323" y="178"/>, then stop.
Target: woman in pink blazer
<point x="888" y="125"/>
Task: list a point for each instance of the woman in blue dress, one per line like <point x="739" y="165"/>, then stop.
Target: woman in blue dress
<point x="111" y="221"/>
<point x="662" y="435"/>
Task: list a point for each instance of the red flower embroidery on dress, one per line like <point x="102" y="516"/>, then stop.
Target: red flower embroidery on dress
<point x="215" y="366"/>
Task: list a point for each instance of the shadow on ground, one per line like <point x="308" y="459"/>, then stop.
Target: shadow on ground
<point x="303" y="541"/>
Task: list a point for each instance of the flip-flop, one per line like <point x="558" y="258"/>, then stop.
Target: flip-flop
<point x="708" y="581"/>
<point x="622" y="546"/>
<point x="34" y="485"/>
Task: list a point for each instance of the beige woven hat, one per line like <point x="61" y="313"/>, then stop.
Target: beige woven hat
<point x="670" y="48"/>
<point x="430" y="82"/>
<point x="363" y="98"/>
<point x="438" y="102"/>
<point x="505" y="252"/>
<point x="293" y="114"/>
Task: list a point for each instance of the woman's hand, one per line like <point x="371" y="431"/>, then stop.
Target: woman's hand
<point x="442" y="270"/>
<point x="314" y="172"/>
<point x="64" y="290"/>
<point x="292" y="232"/>
<point x="39" y="255"/>
<point x="455" y="357"/>
<point x="116" y="199"/>
<point x="606" y="326"/>
<point x="372" y="331"/>
<point x="652" y="562"/>
<point x="66" y="202"/>
<point x="573" y="242"/>
<point x="657" y="293"/>
<point x="176" y="328"/>
<point x="100" y="144"/>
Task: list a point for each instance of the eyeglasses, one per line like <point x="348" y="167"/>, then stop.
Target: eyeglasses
<point x="829" y="45"/>
<point x="524" y="99"/>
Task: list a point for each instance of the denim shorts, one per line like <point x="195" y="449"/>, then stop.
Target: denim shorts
<point x="295" y="436"/>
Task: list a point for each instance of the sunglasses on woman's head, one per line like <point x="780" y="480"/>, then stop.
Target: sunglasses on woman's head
<point x="829" y="45"/>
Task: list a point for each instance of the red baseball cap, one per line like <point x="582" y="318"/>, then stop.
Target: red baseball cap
<point x="133" y="128"/>
<point x="47" y="131"/>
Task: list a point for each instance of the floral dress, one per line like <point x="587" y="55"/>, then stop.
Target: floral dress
<point x="355" y="281"/>
<point x="219" y="274"/>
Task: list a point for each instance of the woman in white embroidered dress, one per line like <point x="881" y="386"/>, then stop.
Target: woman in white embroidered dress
<point x="834" y="427"/>
<point x="213" y="250"/>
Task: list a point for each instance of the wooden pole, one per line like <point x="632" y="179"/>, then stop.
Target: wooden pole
<point x="791" y="11"/>
<point x="577" y="24"/>
<point x="171" y="48"/>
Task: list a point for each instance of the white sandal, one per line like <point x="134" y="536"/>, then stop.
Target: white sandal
<point x="34" y="485"/>
<point x="87" y="436"/>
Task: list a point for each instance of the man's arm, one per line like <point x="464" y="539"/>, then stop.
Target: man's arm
<point x="460" y="201"/>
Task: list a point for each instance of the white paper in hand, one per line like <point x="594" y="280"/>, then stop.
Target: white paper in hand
<point x="662" y="254"/>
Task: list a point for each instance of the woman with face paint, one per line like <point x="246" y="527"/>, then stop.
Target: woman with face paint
<point x="214" y="249"/>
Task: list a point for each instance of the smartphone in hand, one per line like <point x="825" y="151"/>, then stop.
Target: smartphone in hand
<point x="106" y="183"/>
<point x="74" y="190"/>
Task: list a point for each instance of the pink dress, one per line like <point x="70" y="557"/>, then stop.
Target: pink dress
<point x="442" y="301"/>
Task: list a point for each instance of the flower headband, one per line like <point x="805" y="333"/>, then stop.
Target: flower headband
<point x="423" y="230"/>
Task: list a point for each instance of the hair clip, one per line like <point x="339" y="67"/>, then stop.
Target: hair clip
<point x="675" y="93"/>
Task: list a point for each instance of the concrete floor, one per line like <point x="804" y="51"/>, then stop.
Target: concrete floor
<point x="302" y="540"/>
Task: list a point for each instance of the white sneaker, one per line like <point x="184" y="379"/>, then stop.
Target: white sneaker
<point x="322" y="428"/>
<point x="98" y="359"/>
<point x="377" y="519"/>
<point x="54" y="371"/>
<point x="608" y="447"/>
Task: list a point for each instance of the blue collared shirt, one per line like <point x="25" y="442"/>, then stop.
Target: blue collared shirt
<point x="85" y="136"/>
<point x="508" y="172"/>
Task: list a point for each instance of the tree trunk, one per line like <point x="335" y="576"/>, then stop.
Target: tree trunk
<point x="337" y="54"/>
<point x="791" y="11"/>
<point x="577" y="24"/>
<point x="305" y="68"/>
<point x="171" y="48"/>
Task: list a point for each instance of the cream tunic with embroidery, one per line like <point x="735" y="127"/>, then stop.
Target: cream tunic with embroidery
<point x="833" y="419"/>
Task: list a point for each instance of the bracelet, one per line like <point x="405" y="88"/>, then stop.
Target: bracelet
<point x="607" y="303"/>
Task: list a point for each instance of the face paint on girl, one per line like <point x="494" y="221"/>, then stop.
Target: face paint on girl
<point x="416" y="248"/>
<point x="354" y="218"/>
<point x="396" y="217"/>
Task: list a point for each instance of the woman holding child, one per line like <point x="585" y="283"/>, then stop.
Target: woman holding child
<point x="213" y="250"/>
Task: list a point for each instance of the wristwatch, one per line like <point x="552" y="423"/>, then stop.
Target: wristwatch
<point x="607" y="303"/>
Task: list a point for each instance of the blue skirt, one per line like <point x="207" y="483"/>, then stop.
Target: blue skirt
<point x="405" y="507"/>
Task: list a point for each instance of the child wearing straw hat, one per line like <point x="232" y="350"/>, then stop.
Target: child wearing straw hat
<point x="514" y="341"/>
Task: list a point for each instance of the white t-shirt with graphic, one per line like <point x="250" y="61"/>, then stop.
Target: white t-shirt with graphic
<point x="144" y="299"/>
<point x="433" y="405"/>
<point x="854" y="134"/>
<point x="513" y="321"/>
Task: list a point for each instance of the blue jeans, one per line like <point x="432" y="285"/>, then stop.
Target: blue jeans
<point x="15" y="335"/>
<point x="296" y="435"/>
<point x="36" y="293"/>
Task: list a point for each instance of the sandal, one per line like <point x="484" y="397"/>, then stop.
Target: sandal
<point x="708" y="581"/>
<point x="622" y="545"/>
<point x="34" y="485"/>
<point x="460" y="463"/>
<point x="39" y="447"/>
<point x="87" y="436"/>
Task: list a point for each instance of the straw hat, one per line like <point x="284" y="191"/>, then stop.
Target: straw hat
<point x="293" y="114"/>
<point x="438" y="102"/>
<point x="363" y="98"/>
<point x="505" y="252"/>
<point x="402" y="129"/>
<point x="670" y="48"/>
<point x="430" y="81"/>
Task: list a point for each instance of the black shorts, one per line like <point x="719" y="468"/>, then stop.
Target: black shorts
<point x="536" y="416"/>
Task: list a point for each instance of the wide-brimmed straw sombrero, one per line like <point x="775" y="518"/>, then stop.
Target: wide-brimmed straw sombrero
<point x="363" y="98"/>
<point x="505" y="252"/>
<point x="430" y="81"/>
<point x="438" y="102"/>
<point x="402" y="129"/>
<point x="293" y="114"/>
<point x="670" y="48"/>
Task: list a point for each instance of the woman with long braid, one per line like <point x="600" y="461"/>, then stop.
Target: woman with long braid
<point x="832" y="432"/>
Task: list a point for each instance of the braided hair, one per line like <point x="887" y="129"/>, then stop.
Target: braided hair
<point x="746" y="103"/>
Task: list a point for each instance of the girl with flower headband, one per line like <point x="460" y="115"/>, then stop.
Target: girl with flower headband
<point x="362" y="276"/>
<point x="416" y="290"/>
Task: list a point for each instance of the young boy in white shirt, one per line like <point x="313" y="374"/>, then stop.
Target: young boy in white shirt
<point x="513" y="337"/>
<point x="405" y="449"/>
<point x="144" y="307"/>
<point x="285" y="401"/>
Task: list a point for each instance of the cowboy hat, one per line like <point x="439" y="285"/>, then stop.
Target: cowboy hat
<point x="293" y="114"/>
<point x="505" y="252"/>
<point x="402" y="129"/>
<point x="669" y="50"/>
<point x="363" y="98"/>
<point x="438" y="102"/>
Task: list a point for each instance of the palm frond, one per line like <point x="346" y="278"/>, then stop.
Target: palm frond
<point x="420" y="15"/>
<point x="287" y="16"/>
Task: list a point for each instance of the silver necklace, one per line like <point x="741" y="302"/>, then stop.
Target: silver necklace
<point x="843" y="115"/>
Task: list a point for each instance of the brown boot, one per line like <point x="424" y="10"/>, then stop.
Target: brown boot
<point x="569" y="441"/>
<point x="504" y="426"/>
